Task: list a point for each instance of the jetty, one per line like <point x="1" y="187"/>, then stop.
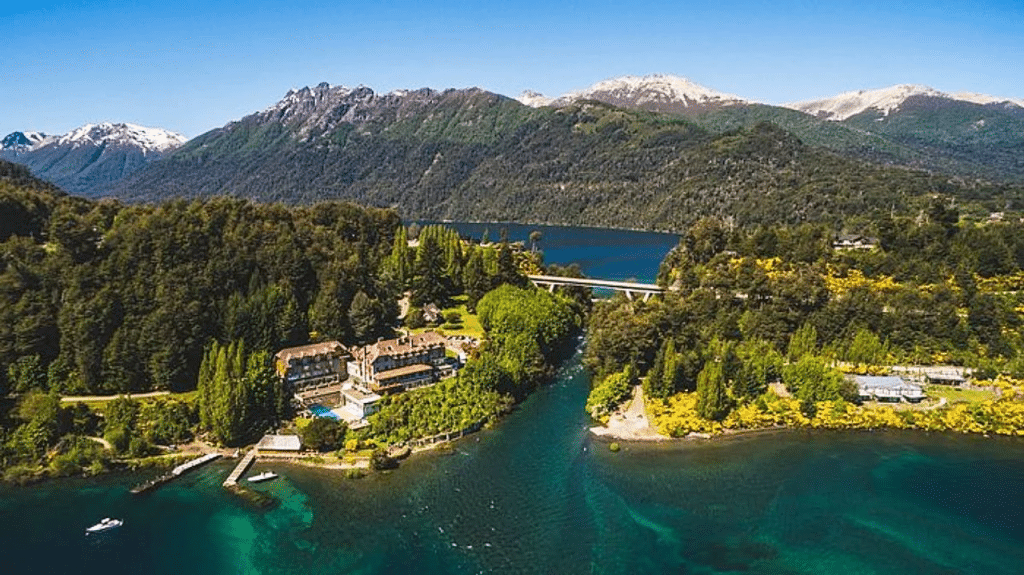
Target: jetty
<point x="176" y="472"/>
<point x="241" y="468"/>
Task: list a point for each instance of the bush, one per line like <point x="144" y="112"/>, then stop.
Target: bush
<point x="323" y="434"/>
<point x="139" y="447"/>
<point x="380" y="460"/>
<point x="614" y="447"/>
<point x="21" y="474"/>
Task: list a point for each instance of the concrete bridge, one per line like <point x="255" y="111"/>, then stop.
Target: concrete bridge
<point x="631" y="288"/>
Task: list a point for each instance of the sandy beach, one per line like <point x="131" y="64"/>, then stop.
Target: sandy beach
<point x="631" y="423"/>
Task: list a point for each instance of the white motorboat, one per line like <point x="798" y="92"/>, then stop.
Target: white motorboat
<point x="105" y="525"/>
<point x="265" y="476"/>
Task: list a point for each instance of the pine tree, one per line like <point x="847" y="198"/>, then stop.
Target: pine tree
<point x="364" y="318"/>
<point x="428" y="282"/>
<point x="474" y="278"/>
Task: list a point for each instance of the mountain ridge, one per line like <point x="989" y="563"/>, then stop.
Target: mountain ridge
<point x="474" y="155"/>
<point x="90" y="158"/>
<point x="886" y="100"/>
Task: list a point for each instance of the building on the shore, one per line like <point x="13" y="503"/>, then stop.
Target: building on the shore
<point x="403" y="363"/>
<point x="311" y="366"/>
<point x="357" y="404"/>
<point x="888" y="388"/>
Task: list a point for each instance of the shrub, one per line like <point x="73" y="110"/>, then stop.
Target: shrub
<point x="380" y="460"/>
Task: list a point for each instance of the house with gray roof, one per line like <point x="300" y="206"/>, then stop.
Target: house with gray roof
<point x="889" y="388"/>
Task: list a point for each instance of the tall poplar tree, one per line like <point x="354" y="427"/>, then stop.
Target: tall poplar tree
<point x="712" y="399"/>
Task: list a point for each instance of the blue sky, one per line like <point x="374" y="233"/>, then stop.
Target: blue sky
<point x="191" y="66"/>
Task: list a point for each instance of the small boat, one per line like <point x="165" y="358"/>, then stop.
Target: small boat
<point x="266" y="475"/>
<point x="105" y="525"/>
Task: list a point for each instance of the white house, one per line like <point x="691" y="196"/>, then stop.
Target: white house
<point x="887" y="388"/>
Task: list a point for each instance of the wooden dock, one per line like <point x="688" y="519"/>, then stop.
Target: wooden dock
<point x="240" y="469"/>
<point x="176" y="472"/>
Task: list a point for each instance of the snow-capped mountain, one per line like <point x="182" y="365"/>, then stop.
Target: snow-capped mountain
<point x="886" y="100"/>
<point x="18" y="143"/>
<point x="656" y="93"/>
<point x="148" y="140"/>
<point x="86" y="160"/>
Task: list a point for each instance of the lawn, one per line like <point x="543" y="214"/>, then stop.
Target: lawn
<point x="470" y="324"/>
<point x="957" y="394"/>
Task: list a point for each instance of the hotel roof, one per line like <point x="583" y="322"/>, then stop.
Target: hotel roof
<point x="313" y="349"/>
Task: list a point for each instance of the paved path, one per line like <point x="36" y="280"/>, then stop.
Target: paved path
<point x="73" y="398"/>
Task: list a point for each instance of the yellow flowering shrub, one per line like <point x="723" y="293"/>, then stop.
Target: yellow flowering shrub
<point x="677" y="416"/>
<point x="854" y="278"/>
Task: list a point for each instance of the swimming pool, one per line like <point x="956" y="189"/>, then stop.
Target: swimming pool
<point x="320" y="411"/>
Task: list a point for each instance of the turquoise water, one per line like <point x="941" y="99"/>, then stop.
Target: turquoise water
<point x="321" y="411"/>
<point x="538" y="495"/>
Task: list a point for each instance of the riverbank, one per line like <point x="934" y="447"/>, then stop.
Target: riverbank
<point x="677" y="416"/>
<point x="630" y="423"/>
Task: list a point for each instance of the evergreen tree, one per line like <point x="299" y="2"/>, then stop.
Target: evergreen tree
<point x="428" y="284"/>
<point x="712" y="399"/>
<point x="507" y="272"/>
<point x="474" y="278"/>
<point x="364" y="316"/>
<point x="398" y="265"/>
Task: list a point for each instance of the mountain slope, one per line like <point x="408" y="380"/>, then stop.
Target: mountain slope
<point x="965" y="134"/>
<point x="474" y="155"/>
<point x="88" y="160"/>
<point x="886" y="100"/>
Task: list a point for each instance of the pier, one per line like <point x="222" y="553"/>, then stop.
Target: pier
<point x="242" y="466"/>
<point x="176" y="472"/>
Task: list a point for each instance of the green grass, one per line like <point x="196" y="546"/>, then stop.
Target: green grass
<point x="470" y="322"/>
<point x="959" y="395"/>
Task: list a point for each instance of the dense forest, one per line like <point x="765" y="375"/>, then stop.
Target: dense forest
<point x="472" y="155"/>
<point x="759" y="305"/>
<point x="196" y="297"/>
<point x="99" y="297"/>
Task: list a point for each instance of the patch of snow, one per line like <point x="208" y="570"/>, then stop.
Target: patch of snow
<point x="983" y="99"/>
<point x="534" y="99"/>
<point x="655" y="87"/>
<point x="149" y="139"/>
<point x="885" y="100"/>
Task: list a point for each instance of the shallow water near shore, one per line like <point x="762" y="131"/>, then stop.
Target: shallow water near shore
<point x="537" y="494"/>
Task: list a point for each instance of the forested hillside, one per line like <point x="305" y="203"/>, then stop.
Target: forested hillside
<point x="473" y="155"/>
<point x="98" y="297"/>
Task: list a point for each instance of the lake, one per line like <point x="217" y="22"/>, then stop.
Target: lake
<point x="537" y="494"/>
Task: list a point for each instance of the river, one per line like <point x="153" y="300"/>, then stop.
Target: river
<point x="537" y="494"/>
